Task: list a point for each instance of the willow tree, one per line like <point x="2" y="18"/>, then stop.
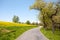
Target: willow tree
<point x="39" y="5"/>
<point x="47" y="13"/>
<point x="56" y="17"/>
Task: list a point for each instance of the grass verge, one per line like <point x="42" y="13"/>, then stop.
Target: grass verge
<point x="12" y="32"/>
<point x="50" y="35"/>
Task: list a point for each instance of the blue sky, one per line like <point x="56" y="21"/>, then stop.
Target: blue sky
<point x="20" y="8"/>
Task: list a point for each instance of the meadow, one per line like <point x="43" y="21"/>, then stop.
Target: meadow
<point x="10" y="31"/>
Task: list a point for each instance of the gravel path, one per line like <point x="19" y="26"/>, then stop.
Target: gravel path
<point x="33" y="34"/>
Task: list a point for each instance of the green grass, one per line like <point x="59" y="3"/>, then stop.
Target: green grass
<point x="50" y="35"/>
<point x="15" y="32"/>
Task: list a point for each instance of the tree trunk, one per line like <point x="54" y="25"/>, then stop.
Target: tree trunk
<point x="53" y="26"/>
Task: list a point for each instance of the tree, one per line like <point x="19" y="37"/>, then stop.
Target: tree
<point x="45" y="10"/>
<point x="47" y="13"/>
<point x="36" y="23"/>
<point x="27" y="22"/>
<point x="57" y="17"/>
<point x="15" y="19"/>
<point x="33" y="23"/>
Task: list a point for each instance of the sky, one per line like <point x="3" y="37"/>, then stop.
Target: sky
<point x="20" y="8"/>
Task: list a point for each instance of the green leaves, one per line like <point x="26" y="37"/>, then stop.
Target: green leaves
<point x="16" y="19"/>
<point x="38" y="5"/>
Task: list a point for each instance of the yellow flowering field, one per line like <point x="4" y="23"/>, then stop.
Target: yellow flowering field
<point x="2" y="23"/>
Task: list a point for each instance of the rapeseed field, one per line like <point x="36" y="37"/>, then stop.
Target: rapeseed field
<point x="10" y="31"/>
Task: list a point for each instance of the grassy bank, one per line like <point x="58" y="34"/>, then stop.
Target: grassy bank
<point x="50" y="35"/>
<point x="10" y="31"/>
